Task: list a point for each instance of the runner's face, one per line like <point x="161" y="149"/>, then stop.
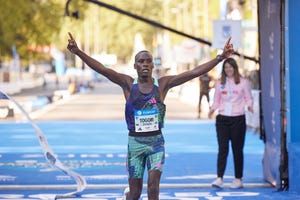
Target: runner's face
<point x="144" y="64"/>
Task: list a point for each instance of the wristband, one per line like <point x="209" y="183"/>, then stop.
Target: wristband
<point x="219" y="58"/>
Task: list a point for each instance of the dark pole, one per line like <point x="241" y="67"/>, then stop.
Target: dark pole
<point x="156" y="24"/>
<point x="283" y="167"/>
<point x="261" y="118"/>
<point x="67" y="8"/>
<point x="148" y="21"/>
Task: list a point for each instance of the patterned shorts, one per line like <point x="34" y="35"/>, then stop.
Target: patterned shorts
<point x="144" y="151"/>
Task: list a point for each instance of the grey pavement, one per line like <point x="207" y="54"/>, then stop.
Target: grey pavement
<point x="104" y="102"/>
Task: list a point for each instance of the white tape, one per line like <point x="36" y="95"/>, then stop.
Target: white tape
<point x="50" y="156"/>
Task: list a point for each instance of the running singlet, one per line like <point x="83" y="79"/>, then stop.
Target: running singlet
<point x="144" y="113"/>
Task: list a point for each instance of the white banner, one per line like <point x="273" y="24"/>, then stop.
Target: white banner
<point x="223" y="29"/>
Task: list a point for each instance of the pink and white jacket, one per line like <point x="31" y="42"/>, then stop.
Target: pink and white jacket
<point x="231" y="99"/>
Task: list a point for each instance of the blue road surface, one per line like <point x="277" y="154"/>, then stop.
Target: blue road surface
<point x="97" y="151"/>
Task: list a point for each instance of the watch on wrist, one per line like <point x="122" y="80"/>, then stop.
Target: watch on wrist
<point x="219" y="58"/>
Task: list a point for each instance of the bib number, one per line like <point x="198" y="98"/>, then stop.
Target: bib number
<point x="146" y="120"/>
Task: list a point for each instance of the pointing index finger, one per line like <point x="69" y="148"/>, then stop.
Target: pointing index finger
<point x="228" y="41"/>
<point x="70" y="35"/>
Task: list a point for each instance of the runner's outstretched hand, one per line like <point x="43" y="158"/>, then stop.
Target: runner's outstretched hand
<point x="72" y="45"/>
<point x="228" y="49"/>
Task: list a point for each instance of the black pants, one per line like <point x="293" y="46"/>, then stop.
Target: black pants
<point x="231" y="129"/>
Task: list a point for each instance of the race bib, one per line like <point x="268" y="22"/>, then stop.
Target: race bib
<point x="146" y="120"/>
<point x="228" y="109"/>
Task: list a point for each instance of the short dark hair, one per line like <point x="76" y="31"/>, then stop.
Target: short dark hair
<point x="138" y="53"/>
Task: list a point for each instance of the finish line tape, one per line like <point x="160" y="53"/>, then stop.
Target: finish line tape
<point x="50" y="156"/>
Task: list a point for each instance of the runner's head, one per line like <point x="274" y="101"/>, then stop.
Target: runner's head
<point x="143" y="63"/>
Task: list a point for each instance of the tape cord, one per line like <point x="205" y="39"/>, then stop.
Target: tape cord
<point x="49" y="155"/>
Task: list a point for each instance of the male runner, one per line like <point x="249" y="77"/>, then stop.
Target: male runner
<point x="145" y="112"/>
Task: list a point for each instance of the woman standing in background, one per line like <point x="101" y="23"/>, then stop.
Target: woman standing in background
<point x="232" y="95"/>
